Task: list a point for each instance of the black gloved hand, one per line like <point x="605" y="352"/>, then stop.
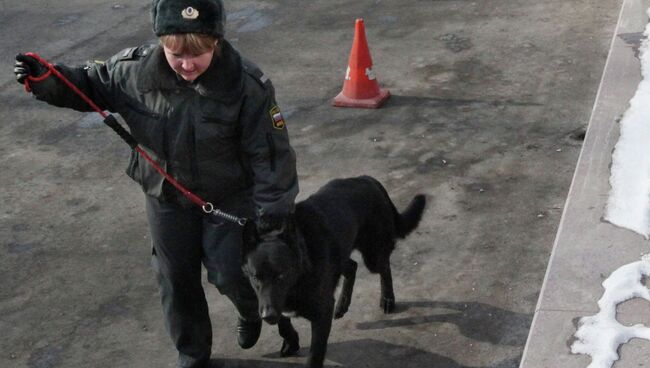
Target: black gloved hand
<point x="27" y="66"/>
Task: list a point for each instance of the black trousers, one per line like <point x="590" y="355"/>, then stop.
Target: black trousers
<point x="183" y="239"/>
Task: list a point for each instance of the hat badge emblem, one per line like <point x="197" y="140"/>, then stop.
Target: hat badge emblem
<point x="190" y="13"/>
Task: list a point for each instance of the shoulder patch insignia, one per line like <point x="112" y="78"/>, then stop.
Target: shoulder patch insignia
<point x="276" y="118"/>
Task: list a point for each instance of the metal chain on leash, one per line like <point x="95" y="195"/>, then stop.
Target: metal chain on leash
<point x="112" y="122"/>
<point x="209" y="209"/>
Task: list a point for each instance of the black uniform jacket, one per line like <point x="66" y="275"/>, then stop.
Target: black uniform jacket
<point x="222" y="136"/>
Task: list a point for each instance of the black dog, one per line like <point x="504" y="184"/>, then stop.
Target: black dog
<point x="301" y="277"/>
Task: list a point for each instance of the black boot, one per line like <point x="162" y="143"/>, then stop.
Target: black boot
<point x="248" y="332"/>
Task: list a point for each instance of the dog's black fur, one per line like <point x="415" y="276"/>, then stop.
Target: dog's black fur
<point x="301" y="276"/>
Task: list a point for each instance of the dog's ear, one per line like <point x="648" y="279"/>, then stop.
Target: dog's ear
<point x="250" y="238"/>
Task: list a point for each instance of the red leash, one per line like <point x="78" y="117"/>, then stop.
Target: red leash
<point x="128" y="138"/>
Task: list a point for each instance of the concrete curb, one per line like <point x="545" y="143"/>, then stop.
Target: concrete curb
<point x="587" y="249"/>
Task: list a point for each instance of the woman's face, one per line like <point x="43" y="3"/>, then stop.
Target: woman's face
<point x="188" y="66"/>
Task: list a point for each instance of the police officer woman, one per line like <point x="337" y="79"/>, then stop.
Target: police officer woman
<point x="209" y="117"/>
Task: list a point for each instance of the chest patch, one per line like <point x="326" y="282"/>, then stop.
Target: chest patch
<point x="276" y="118"/>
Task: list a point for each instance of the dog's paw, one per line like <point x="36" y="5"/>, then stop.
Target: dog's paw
<point x="339" y="313"/>
<point x="387" y="305"/>
<point x="341" y="308"/>
<point x="290" y="347"/>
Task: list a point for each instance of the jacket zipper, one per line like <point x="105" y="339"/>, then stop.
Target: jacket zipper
<point x="193" y="160"/>
<point x="271" y="143"/>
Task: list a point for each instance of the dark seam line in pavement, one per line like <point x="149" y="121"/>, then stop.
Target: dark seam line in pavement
<point x="565" y="310"/>
<point x="74" y="46"/>
<point x="77" y="44"/>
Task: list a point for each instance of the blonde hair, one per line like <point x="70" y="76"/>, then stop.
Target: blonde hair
<point x="191" y="43"/>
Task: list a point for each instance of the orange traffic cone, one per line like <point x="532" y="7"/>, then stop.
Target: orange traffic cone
<point x="360" y="88"/>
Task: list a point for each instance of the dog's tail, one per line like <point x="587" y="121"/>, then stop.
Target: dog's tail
<point x="408" y="220"/>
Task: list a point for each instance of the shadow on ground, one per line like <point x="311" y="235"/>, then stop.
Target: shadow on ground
<point x="477" y="321"/>
<point x="363" y="353"/>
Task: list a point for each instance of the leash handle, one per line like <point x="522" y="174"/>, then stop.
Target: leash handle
<point x="119" y="129"/>
<point x="110" y="120"/>
<point x="28" y="87"/>
<point x="65" y="80"/>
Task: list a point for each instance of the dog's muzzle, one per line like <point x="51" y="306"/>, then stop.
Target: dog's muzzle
<point x="270" y="315"/>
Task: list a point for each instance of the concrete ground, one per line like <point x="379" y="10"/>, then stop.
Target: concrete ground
<point x="490" y="101"/>
<point x="587" y="249"/>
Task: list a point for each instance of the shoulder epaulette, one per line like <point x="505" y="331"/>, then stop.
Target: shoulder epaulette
<point x="127" y="54"/>
<point x="133" y="53"/>
<point x="254" y="71"/>
<point x="144" y="50"/>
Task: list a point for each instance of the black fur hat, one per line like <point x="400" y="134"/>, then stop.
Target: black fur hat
<point x="188" y="16"/>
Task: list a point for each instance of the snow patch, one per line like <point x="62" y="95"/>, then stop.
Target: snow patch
<point x="600" y="335"/>
<point x="628" y="204"/>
